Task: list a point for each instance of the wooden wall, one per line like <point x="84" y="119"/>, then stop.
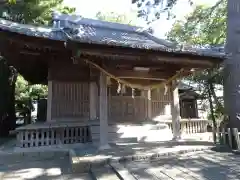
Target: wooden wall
<point x="159" y="101"/>
<point x="128" y="108"/>
<point x="70" y="100"/>
<point x="70" y="97"/>
<point x="70" y="91"/>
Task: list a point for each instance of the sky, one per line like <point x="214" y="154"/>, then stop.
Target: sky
<point x="89" y="9"/>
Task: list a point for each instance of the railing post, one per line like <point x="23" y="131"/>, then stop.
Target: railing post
<point x="214" y="135"/>
<point x="224" y="136"/>
<point x="198" y="126"/>
<point x="236" y="135"/>
<point x="188" y="127"/>
<point x="218" y="135"/>
<point x="230" y="137"/>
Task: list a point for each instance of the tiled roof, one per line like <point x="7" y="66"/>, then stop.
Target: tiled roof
<point x="86" y="30"/>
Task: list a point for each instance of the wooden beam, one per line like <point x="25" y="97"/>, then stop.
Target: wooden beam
<point x="35" y="42"/>
<point x="141" y="63"/>
<point x="186" y="61"/>
<point x="151" y="55"/>
<point x="131" y="74"/>
<point x="144" y="82"/>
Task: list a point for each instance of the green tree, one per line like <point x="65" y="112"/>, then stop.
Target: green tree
<point x="37" y="12"/>
<point x="152" y="10"/>
<point x="25" y="93"/>
<point x="204" y="27"/>
<point x="118" y="18"/>
<point x="129" y="19"/>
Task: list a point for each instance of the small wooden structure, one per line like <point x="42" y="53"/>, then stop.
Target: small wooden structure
<point x="188" y="101"/>
<point x="99" y="74"/>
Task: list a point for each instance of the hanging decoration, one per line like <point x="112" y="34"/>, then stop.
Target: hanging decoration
<point x="123" y="89"/>
<point x="133" y="90"/>
<point x="165" y="90"/>
<point x="119" y="88"/>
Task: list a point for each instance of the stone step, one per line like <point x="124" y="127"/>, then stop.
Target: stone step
<point x="82" y="176"/>
<point x="104" y="173"/>
<point x="121" y="171"/>
<point x="115" y="138"/>
<point x="140" y="171"/>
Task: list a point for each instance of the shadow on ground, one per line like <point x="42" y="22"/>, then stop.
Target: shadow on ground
<point x="53" y="169"/>
<point x="208" y="165"/>
<point x="215" y="164"/>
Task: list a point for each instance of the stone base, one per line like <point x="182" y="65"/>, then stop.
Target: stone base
<point x="104" y="147"/>
<point x="83" y="164"/>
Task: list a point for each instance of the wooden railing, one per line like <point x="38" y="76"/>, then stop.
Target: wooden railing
<point x="52" y="134"/>
<point x="228" y="137"/>
<point x="190" y="126"/>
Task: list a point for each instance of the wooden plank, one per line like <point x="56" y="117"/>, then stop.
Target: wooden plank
<point x="169" y="172"/>
<point x="140" y="171"/>
<point x="121" y="171"/>
<point x="104" y="173"/>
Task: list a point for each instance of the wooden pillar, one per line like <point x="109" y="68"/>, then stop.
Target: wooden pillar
<point x="93" y="93"/>
<point x="49" y="101"/>
<point x="175" y="111"/>
<point x="149" y="104"/>
<point x="103" y="112"/>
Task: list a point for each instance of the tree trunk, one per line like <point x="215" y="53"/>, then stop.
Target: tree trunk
<point x="8" y="77"/>
<point x="212" y="111"/>
<point x="11" y="107"/>
<point x="212" y="91"/>
<point x="232" y="65"/>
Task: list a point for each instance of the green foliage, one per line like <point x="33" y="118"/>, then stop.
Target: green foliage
<point x="129" y="19"/>
<point x="204" y="26"/>
<point x="25" y="94"/>
<point x="24" y="90"/>
<point x="36" y="12"/>
<point x="114" y="17"/>
<point x="152" y="10"/>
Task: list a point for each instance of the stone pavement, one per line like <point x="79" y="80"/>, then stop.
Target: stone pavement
<point x="200" y="165"/>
